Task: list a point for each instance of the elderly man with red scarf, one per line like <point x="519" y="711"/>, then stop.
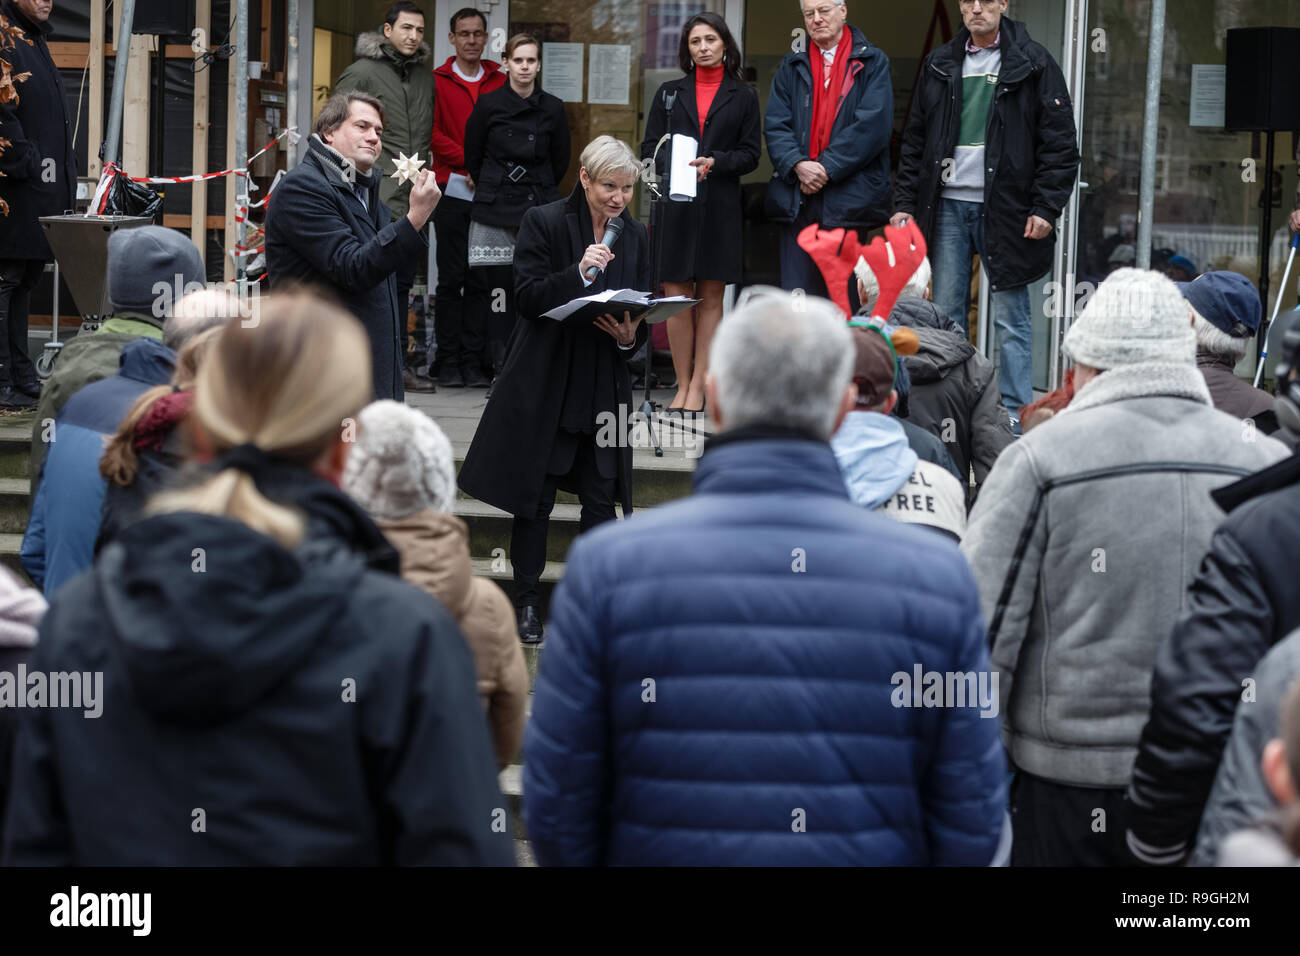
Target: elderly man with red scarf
<point x="829" y="119"/>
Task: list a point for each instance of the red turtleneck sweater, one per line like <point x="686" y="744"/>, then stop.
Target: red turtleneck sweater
<point x="707" y="81"/>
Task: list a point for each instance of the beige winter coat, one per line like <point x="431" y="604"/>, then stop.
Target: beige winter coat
<point x="435" y="558"/>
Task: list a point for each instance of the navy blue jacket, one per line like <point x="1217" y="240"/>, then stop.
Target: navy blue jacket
<point x="719" y="684"/>
<point x="319" y="234"/>
<point x="64" y="522"/>
<point x="857" y="159"/>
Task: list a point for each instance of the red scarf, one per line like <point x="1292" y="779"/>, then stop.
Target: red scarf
<point x="826" y="100"/>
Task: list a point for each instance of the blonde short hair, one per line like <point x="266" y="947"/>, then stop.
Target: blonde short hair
<point x="606" y="156"/>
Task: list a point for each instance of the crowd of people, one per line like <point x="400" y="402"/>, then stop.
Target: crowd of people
<point x="905" y="617"/>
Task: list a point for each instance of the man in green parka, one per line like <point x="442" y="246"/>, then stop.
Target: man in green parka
<point x="395" y="65"/>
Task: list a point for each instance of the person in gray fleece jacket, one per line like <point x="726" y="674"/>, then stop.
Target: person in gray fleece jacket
<point x="1083" y="542"/>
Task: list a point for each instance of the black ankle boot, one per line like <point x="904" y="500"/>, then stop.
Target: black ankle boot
<point x="530" y="624"/>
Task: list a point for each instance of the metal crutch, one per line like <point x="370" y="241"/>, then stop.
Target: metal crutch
<point x="1277" y="307"/>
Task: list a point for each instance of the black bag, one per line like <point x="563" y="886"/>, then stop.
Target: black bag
<point x="127" y="198"/>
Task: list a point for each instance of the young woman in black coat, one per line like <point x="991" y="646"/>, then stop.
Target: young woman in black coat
<point x="559" y="411"/>
<point x="516" y="151"/>
<point x="701" y="252"/>
<point x="270" y="692"/>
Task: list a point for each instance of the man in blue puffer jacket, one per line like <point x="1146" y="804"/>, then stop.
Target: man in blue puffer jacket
<point x="764" y="673"/>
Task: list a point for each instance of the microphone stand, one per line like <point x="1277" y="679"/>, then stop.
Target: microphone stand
<point x="647" y="409"/>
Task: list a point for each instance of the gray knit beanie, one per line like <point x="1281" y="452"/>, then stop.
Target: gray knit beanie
<point x="401" y="463"/>
<point x="140" y="259"/>
<point x="1134" y="316"/>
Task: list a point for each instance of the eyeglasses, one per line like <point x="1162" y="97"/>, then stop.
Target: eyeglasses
<point x="471" y="35"/>
<point x="824" y="11"/>
<point x="968" y="4"/>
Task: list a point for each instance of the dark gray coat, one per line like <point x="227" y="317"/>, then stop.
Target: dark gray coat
<point x="38" y="167"/>
<point x="318" y="233"/>
<point x="1240" y="796"/>
<point x="954" y="391"/>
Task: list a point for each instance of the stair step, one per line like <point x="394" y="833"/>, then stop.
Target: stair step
<point x="10" y="545"/>
<point x="489" y="529"/>
<point x="15" y="502"/>
<point x="15" y="443"/>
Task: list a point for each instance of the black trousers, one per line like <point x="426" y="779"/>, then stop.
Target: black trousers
<point x="1054" y="824"/>
<point x="17" y="279"/>
<point x="499" y="282"/>
<point x="461" y="293"/>
<point x="528" y="535"/>
<point x="416" y="354"/>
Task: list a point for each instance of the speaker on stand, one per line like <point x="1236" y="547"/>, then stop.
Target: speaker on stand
<point x="161" y="19"/>
<point x="1260" y="98"/>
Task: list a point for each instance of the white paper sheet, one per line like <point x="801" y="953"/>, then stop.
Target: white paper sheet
<point x="458" y="187"/>
<point x="1209" y="95"/>
<point x="562" y="71"/>
<point x="610" y="80"/>
<point x="682" y="178"/>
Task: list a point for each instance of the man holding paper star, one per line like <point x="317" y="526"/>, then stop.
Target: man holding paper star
<point x="327" y="228"/>
<point x="394" y="65"/>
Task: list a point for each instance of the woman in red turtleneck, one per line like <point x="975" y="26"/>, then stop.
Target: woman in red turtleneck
<point x="701" y="248"/>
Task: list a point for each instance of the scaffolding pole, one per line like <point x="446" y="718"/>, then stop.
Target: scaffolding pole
<point x="1151" y="133"/>
<point x="241" y="133"/>
<point x="110" y="151"/>
<point x="291" y="82"/>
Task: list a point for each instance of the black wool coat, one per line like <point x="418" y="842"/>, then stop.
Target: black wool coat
<point x="319" y="709"/>
<point x="39" y="166"/>
<point x="506" y="463"/>
<point x="1031" y="156"/>
<point x="703" y="239"/>
<point x="319" y="234"/>
<point x="509" y="135"/>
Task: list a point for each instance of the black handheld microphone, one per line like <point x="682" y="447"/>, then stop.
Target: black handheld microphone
<point x="613" y="229"/>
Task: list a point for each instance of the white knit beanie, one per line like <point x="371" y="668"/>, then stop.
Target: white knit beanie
<point x="400" y="464"/>
<point x="1134" y="316"/>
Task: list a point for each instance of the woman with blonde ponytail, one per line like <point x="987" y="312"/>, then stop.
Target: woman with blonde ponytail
<point x="273" y="693"/>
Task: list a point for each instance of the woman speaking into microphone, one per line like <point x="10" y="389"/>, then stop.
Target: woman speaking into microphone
<point x="562" y="385"/>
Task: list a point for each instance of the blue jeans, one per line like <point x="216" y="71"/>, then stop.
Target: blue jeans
<point x="958" y="234"/>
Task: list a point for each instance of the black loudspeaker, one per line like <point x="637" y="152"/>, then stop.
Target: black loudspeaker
<point x="1262" y="93"/>
<point x="169" y="18"/>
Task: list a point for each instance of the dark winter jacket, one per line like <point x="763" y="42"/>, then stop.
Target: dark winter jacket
<point x="1240" y="796"/>
<point x="516" y="151"/>
<point x="707" y="233"/>
<point x="87" y="357"/>
<point x="60" y="539"/>
<point x="404" y="84"/>
<point x="857" y="158"/>
<point x="451" y="111"/>
<point x="759" y="716"/>
<point x="1031" y="150"/>
<point x="259" y="706"/>
<point x="1236" y="396"/>
<point x="954" y="390"/>
<point x="155" y="471"/>
<point x="1243" y="601"/>
<point x="317" y="232"/>
<point x="507" y="462"/>
<point x="38" y="167"/>
<point x="929" y="448"/>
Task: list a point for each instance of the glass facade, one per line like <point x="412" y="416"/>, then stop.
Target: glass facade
<point x="1207" y="209"/>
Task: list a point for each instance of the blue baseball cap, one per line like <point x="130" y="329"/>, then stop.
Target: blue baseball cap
<point x="1227" y="300"/>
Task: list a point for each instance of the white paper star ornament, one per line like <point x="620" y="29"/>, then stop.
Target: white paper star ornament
<point x="407" y="167"/>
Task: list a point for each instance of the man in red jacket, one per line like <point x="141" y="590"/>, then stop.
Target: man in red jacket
<point x="458" y="83"/>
